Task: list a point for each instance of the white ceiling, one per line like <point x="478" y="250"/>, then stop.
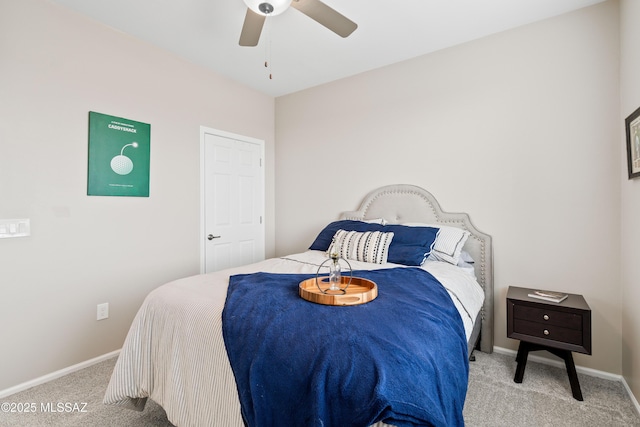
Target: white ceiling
<point x="301" y="52"/>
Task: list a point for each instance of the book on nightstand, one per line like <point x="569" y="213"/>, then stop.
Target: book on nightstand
<point x="549" y="296"/>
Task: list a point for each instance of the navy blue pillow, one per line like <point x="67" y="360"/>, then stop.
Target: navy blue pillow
<point x="410" y="255"/>
<point x="410" y="245"/>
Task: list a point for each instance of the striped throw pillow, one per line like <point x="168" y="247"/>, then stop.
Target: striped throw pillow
<point x="368" y="246"/>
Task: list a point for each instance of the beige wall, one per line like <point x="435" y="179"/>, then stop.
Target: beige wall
<point x="630" y="101"/>
<point x="520" y="129"/>
<point x="55" y="67"/>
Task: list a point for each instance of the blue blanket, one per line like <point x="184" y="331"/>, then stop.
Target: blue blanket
<point x="401" y="358"/>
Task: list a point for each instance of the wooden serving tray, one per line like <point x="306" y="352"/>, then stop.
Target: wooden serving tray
<point x="360" y="291"/>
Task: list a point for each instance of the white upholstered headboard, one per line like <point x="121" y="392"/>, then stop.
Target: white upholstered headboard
<point x="402" y="203"/>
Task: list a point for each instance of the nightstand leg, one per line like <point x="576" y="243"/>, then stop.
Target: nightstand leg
<point x="521" y="358"/>
<point x="567" y="356"/>
<point x="573" y="375"/>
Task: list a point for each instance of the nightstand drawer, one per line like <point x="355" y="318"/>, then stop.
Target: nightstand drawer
<point x="548" y="316"/>
<point x="547" y="331"/>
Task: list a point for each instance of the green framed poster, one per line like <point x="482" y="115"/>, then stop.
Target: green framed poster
<point x="119" y="152"/>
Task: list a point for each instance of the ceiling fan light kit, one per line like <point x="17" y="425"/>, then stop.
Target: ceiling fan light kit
<point x="270" y="7"/>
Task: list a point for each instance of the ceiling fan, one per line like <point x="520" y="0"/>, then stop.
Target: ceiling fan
<point x="258" y="10"/>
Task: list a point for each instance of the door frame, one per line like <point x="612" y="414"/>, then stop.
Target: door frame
<point x="207" y="130"/>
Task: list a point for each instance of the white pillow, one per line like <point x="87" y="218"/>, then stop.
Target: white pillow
<point x="466" y="257"/>
<point x="448" y="244"/>
<point x="466" y="264"/>
<point x="368" y="246"/>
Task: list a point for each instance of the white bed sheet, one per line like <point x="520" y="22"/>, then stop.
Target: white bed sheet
<point x="175" y="354"/>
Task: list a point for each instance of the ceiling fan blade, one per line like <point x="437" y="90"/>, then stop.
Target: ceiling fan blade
<point x="324" y="15"/>
<point x="251" y="28"/>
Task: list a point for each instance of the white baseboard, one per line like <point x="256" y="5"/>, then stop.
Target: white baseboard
<point x="630" y="393"/>
<point x="580" y="369"/>
<point x="57" y="374"/>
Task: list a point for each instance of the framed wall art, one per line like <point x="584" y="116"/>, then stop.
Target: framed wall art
<point x="632" y="125"/>
<point x="119" y="152"/>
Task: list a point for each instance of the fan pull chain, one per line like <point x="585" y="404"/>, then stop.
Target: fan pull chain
<point x="267" y="60"/>
<point x="267" y="54"/>
<point x="267" y="65"/>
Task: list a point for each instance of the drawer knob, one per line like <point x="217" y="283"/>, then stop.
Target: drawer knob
<point x="545" y="317"/>
<point x="546" y="332"/>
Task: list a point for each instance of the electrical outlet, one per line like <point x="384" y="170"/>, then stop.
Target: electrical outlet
<point x="103" y="311"/>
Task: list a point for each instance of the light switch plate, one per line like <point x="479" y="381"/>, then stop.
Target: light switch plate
<point x="15" y="228"/>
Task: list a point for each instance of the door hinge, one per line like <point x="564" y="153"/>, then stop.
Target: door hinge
<point x="260" y="219"/>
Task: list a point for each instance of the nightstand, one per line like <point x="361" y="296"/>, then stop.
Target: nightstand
<point x="559" y="328"/>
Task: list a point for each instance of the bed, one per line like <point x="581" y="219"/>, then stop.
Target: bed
<point x="180" y="350"/>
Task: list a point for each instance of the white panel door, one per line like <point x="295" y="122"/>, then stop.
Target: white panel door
<point x="233" y="193"/>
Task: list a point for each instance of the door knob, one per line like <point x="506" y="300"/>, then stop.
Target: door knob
<point x="211" y="237"/>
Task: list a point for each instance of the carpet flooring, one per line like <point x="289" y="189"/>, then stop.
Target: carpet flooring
<point x="493" y="399"/>
<point x="543" y="398"/>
